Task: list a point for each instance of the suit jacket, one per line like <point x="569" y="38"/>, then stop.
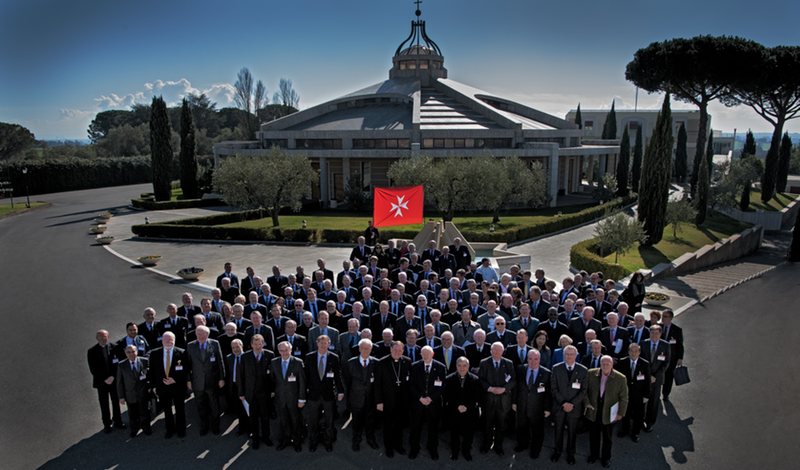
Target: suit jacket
<point x="233" y="371"/>
<point x="225" y="342"/>
<point x="179" y="329"/>
<point x="132" y="386"/>
<point x="503" y="376"/>
<point x="616" y="392"/>
<point x="206" y="368"/>
<point x="439" y="328"/>
<point x="622" y="338"/>
<point x="475" y="357"/>
<point x="247" y="285"/>
<point x="432" y="255"/>
<point x="263" y="330"/>
<point x="259" y="307"/>
<point x="401" y="326"/>
<point x="389" y="373"/>
<point x="645" y="334"/>
<point x="241" y="324"/>
<point x="341" y="274"/>
<point x="589" y="362"/>
<point x="359" y="382"/>
<point x="276" y="283"/>
<point x="577" y="329"/>
<point x="512" y="354"/>
<point x="638" y="380"/>
<point x="675" y="339"/>
<point x="423" y="341"/>
<point x="299" y="344"/>
<point x="254" y="376"/>
<point x="102" y="366"/>
<point x="507" y="338"/>
<point x="658" y="361"/>
<point x="540" y="312"/>
<point x="318" y="306"/>
<point x="362" y="253"/>
<point x="533" y="399"/>
<point x="278" y="327"/>
<point x="564" y="390"/>
<point x="330" y="384"/>
<point x="343" y="349"/>
<point x="213" y="321"/>
<point x="363" y="321"/>
<point x="380" y="350"/>
<point x="463" y="258"/>
<point x="316" y="332"/>
<point x="553" y="333"/>
<point x="429" y="385"/>
<point x="447" y="262"/>
<point x="462" y="336"/>
<point x="377" y="325"/>
<point x="234" y="280"/>
<point x="411" y="351"/>
<point x="226" y="295"/>
<point x="477" y="310"/>
<point x="470" y="396"/>
<point x="484" y="319"/>
<point x="516" y="325"/>
<point x="152" y="335"/>
<point x="455" y="353"/>
<point x="141" y="345"/>
<point x="178" y="370"/>
<point x="292" y="388"/>
<point x="189" y="312"/>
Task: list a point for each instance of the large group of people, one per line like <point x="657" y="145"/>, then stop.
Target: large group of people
<point x="399" y="343"/>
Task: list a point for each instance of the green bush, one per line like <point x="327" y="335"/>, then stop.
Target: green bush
<point x="69" y="174"/>
<point x="584" y="256"/>
<point x="153" y="205"/>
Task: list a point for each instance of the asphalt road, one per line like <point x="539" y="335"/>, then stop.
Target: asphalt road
<point x="58" y="289"/>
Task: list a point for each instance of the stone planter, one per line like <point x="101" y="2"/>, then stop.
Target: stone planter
<point x="105" y="240"/>
<point x="656" y="299"/>
<point x="150" y="260"/>
<point x="190" y="274"/>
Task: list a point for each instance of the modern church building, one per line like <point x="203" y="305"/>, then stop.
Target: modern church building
<point x="420" y="111"/>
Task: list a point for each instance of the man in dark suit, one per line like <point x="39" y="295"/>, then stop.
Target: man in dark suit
<point x="553" y="327"/>
<point x="226" y="293"/>
<point x="501" y="334"/>
<point x="462" y="397"/>
<point x="132" y="388"/>
<point x="518" y="353"/>
<point x="233" y="369"/>
<point x="258" y="328"/>
<point x="187" y="309"/>
<point x="277" y="280"/>
<point x="131" y="337"/>
<point x="176" y="324"/>
<point x="213" y="319"/>
<point x="254" y="306"/>
<point x="448" y="353"/>
<point x="359" y="381"/>
<point x="346" y="271"/>
<point x="313" y="304"/>
<point x="325" y="388"/>
<point x="411" y="349"/>
<point x="289" y="381"/>
<point x="477" y="351"/>
<point x="427" y="386"/>
<point x="498" y="379"/>
<point x="672" y="334"/>
<point x="614" y="337"/>
<point x="382" y="320"/>
<point x="637" y="375"/>
<point x="206" y="369"/>
<point x="407" y="322"/>
<point x="168" y="375"/>
<point x="568" y="385"/>
<point x="248" y="282"/>
<point x="361" y="251"/>
<point x="429" y="338"/>
<point x="461" y="253"/>
<point x="298" y="342"/>
<point x="392" y="397"/>
<point x="539" y="307"/>
<point x="149" y="328"/>
<point x="446" y="261"/>
<point x="431" y="253"/>
<point x="255" y="388"/>
<point x="277" y="322"/>
<point x="638" y="332"/>
<point x="656" y="351"/>
<point x="103" y="367"/>
<point x="578" y="326"/>
<point x="229" y="275"/>
<point x="532" y="403"/>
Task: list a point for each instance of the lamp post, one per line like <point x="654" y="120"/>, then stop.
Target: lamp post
<point x="27" y="194"/>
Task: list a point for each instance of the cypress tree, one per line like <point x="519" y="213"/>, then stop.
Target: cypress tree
<point x="710" y="154"/>
<point x="623" y="165"/>
<point x="579" y="117"/>
<point x="654" y="186"/>
<point x="749" y="144"/>
<point x="610" y="127"/>
<point x="636" y="167"/>
<point x="784" y="159"/>
<point x="188" y="157"/>
<point x="701" y="197"/>
<point x="681" y="156"/>
<point x="749" y="151"/>
<point x="160" y="149"/>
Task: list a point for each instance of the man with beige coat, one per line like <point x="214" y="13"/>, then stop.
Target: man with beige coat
<point x="605" y="403"/>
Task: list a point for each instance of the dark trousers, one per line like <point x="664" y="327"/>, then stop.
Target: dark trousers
<point x="259" y="417"/>
<point x="364" y="419"/>
<point x="235" y="407"/>
<point x="106" y="393"/>
<point x="290" y="421"/>
<point x="599" y="432"/>
<point x="320" y="411"/>
<point x="634" y="416"/>
<point x="208" y="409"/>
<point x="652" y="402"/>
<point x="139" y="416"/>
<point x="669" y="378"/>
<point x="393" y="421"/>
<point x="570" y="420"/>
<point x="425" y="416"/>
<point x="462" y="430"/>
<point x="530" y="430"/>
<point x="495" y="422"/>
<point x="174" y="422"/>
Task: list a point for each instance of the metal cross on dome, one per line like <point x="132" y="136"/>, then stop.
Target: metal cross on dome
<point x="418" y="12"/>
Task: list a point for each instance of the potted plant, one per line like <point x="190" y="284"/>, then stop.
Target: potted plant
<point x="656" y="298"/>
<point x="97" y="229"/>
<point x="190" y="274"/>
<point x="149" y="260"/>
<point x="105" y="240"/>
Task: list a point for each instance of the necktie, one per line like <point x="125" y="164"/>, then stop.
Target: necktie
<point x="530" y="378"/>
<point x="496" y="365"/>
<point x="447" y="358"/>
<point x="235" y="367"/>
<point x="613" y="334"/>
<point x="638" y="335"/>
<point x="652" y="351"/>
<point x="633" y="366"/>
<point x="166" y="363"/>
<point x="522" y="354"/>
<point x="596" y="359"/>
<point x="364" y="361"/>
<point x="666" y="332"/>
<point x="284" y="366"/>
<point x="133" y="367"/>
<point x="524" y="322"/>
<point x="464" y="325"/>
<point x="321" y="367"/>
<point x="427" y="370"/>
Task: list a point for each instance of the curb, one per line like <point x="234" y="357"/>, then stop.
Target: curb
<point x="197" y="285"/>
<point x="27" y="209"/>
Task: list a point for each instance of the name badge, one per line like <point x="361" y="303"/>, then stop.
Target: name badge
<point x="115" y="361"/>
<point x="292" y="378"/>
<point x="142" y="377"/>
<point x="437" y="383"/>
<point x="178" y="367"/>
<point x="167" y="325"/>
<point x="508" y="378"/>
<point x="297" y="353"/>
<point x="332" y="346"/>
<point x="576" y="385"/>
<point x="662" y="357"/>
<point x="672" y="341"/>
<point x="408" y="378"/>
<point x="540" y="389"/>
<point x="213" y="359"/>
<point x="371" y="379"/>
<point x="640" y="377"/>
<point x="329" y="375"/>
<point x="141" y="348"/>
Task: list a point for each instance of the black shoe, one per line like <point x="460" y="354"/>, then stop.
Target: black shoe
<point x="356" y="447"/>
<point x="120" y="426"/>
<point x="148" y="431"/>
<point x="467" y="456"/>
<point x="534" y="454"/>
<point x="555" y="457"/>
<point x="181" y="433"/>
<point x="453" y="455"/>
<point x="606" y="463"/>
<point x="168" y="435"/>
<point x="498" y="449"/>
<point x="648" y="429"/>
<point x="412" y="455"/>
<point x="328" y="447"/>
<point x="570" y="460"/>
<point x="132" y="434"/>
<point x="372" y="444"/>
<point x="108" y="429"/>
<point x="267" y="442"/>
<point x="281" y="446"/>
<point x="389" y="453"/>
<point x="635" y="437"/>
<point x="298" y="447"/>
<point x="401" y="450"/>
<point x="484" y="449"/>
<point x="204" y="432"/>
<point x="519" y="448"/>
<point x="435" y="455"/>
<point x="312" y="447"/>
<point x="254" y="443"/>
<point x="591" y="459"/>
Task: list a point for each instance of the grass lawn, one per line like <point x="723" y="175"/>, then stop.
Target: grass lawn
<point x="351" y="221"/>
<point x="5" y="209"/>
<point x="690" y="238"/>
<point x="777" y="203"/>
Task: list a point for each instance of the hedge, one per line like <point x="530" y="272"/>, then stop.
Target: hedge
<point x="69" y="174"/>
<point x="584" y="256"/>
<point x="179" y="204"/>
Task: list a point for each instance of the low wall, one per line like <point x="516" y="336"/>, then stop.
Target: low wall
<point x="772" y="221"/>
<point x="733" y="247"/>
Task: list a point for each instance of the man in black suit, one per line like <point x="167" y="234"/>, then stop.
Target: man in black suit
<point x="149" y="328"/>
<point x="501" y="334"/>
<point x="131" y="337"/>
<point x="168" y="375"/>
<point x="289" y="382"/>
<point x="206" y="369"/>
<point x="258" y="328"/>
<point x="656" y="351"/>
<point x="248" y="282"/>
<point x="359" y="381"/>
<point x="672" y="334"/>
<point x="392" y="397"/>
<point x="614" y="337"/>
<point x="498" y="379"/>
<point x="532" y="402"/>
<point x="462" y="397"/>
<point x="361" y="251"/>
<point x="132" y="389"/>
<point x="461" y="253"/>
<point x="568" y="387"/>
<point x="254" y="306"/>
<point x="477" y="351"/>
<point x="578" y="326"/>
<point x="298" y="342"/>
<point x="325" y="388"/>
<point x="176" y="324"/>
<point x="187" y="309"/>
<point x="427" y="386"/>
<point x="229" y="275"/>
<point x="448" y="353"/>
<point x="446" y="261"/>
<point x="103" y="367"/>
<point x="637" y="374"/>
<point x="518" y="353"/>
<point x="553" y="327"/>
<point x="277" y="280"/>
<point x="638" y="332"/>
<point x="382" y="320"/>
<point x="233" y="367"/>
<point x="407" y="322"/>
<point x="411" y="350"/>
<point x="346" y="271"/>
<point x="255" y="388"/>
<point x="539" y="307"/>
<point x="213" y="319"/>
<point x="277" y="322"/>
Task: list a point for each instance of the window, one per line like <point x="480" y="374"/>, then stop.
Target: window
<point x="280" y="143"/>
<point x="633" y="126"/>
<point x="588" y="125"/>
<point x="381" y="144"/>
<point x="466" y="143"/>
<point x="423" y="65"/>
<point x="319" y="144"/>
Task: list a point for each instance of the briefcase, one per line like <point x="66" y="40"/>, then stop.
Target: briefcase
<point x="681" y="375"/>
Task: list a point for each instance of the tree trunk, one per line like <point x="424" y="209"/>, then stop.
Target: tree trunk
<point x="794" y="249"/>
<point x="496" y="216"/>
<point x="275" y="222"/>
<point x="771" y="163"/>
<point x="700" y="145"/>
<point x="744" y="203"/>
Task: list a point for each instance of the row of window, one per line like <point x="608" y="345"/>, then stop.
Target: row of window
<point x="381" y="144"/>
<point x="497" y="143"/>
<point x="336" y="144"/>
<point x="423" y="65"/>
<point x="319" y="144"/>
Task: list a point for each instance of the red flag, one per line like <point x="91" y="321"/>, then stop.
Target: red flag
<point x="397" y="206"/>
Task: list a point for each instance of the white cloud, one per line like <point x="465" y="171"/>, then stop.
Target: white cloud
<point x="173" y="92"/>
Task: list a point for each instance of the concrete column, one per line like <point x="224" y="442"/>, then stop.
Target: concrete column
<point x="590" y="170"/>
<point x="553" y="176"/>
<point x="345" y="171"/>
<point x="323" y="181"/>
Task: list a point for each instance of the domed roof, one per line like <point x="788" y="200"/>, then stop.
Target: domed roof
<point x="419" y="49"/>
<point x="418" y="42"/>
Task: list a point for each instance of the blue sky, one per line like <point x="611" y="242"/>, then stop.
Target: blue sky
<point x="63" y="61"/>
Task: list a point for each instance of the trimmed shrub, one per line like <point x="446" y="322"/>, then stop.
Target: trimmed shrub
<point x="584" y="256"/>
<point x="150" y="203"/>
<point x="69" y="174"/>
